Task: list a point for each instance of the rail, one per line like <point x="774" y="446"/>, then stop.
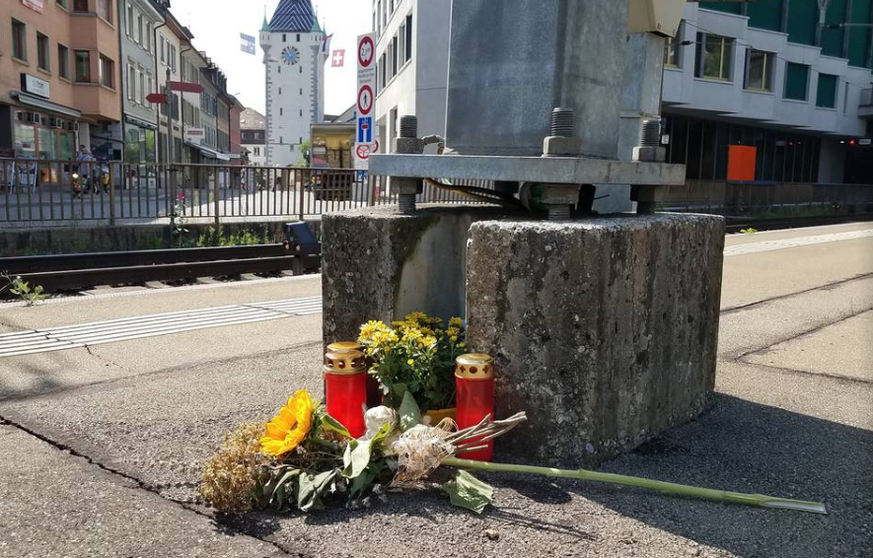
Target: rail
<point x="41" y="190"/>
<point x="76" y="271"/>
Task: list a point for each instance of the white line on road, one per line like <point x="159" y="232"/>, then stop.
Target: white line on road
<point x="30" y="342"/>
<point x="770" y="245"/>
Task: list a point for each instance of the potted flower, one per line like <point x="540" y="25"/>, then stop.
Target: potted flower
<point x="416" y="355"/>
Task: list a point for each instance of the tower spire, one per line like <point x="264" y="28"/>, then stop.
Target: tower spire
<point x="266" y="25"/>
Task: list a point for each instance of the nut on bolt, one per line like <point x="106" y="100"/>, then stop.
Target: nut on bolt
<point x="562" y="141"/>
<point x="649" y="150"/>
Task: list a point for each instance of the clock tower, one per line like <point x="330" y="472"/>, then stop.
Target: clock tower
<point x="293" y="55"/>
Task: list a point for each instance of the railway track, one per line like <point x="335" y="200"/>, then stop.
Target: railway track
<point x="738" y="224"/>
<point x="70" y="272"/>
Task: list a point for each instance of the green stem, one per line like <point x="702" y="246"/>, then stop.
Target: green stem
<point x="759" y="500"/>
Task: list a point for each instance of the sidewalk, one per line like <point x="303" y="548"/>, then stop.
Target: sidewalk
<point x="780" y="423"/>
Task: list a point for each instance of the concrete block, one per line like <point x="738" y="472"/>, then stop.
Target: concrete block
<point x="379" y="264"/>
<point x="603" y="330"/>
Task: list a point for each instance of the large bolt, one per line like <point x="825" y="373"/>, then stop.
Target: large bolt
<point x="406" y="203"/>
<point x="650" y="133"/>
<point x="409" y="126"/>
<point x="563" y="122"/>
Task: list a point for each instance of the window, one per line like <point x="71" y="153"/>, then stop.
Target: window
<point x="131" y="83"/>
<point x="148" y="37"/>
<point x="163" y="49"/>
<point x="301" y="91"/>
<point x="284" y="38"/>
<point x="19" y="40"/>
<point x="827" y="91"/>
<point x="281" y="111"/>
<point x="796" y="81"/>
<point x="298" y="37"/>
<point x="257" y="152"/>
<point x="394" y="56"/>
<point x="104" y="9"/>
<point x="173" y="58"/>
<point x="43" y="59"/>
<point x="107" y="72"/>
<point x="142" y="87"/>
<point x="139" y="26"/>
<point x="672" y="52"/>
<point x="128" y="23"/>
<point x="301" y="112"/>
<point x="80" y="5"/>
<point x="714" y="57"/>
<point x="408" y="53"/>
<point x="63" y="61"/>
<point x="759" y="70"/>
<point x="280" y="91"/>
<point x="61" y="3"/>
<point x="83" y="66"/>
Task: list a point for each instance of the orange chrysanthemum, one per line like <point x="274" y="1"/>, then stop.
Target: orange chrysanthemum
<point x="289" y="428"/>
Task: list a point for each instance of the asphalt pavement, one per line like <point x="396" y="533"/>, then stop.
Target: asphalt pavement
<point x="100" y="448"/>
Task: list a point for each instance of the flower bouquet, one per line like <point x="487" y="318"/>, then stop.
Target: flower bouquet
<point x="416" y="355"/>
<point x="303" y="456"/>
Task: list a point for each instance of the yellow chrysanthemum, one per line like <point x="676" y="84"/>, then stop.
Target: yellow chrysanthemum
<point x="462" y="345"/>
<point x="290" y="426"/>
<point x="410" y="362"/>
<point x="456" y="323"/>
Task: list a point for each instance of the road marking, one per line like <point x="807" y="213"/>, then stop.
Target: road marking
<point x="770" y="245"/>
<point x="30" y="342"/>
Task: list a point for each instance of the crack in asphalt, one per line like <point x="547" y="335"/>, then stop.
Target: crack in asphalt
<point x="794" y="371"/>
<point x="826" y="286"/>
<point x="143" y="485"/>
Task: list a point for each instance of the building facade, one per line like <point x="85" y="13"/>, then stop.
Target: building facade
<point x="138" y="21"/>
<point x="59" y="83"/>
<point x="253" y="133"/>
<point x="766" y="76"/>
<point x="412" y="54"/>
<point x="294" y="58"/>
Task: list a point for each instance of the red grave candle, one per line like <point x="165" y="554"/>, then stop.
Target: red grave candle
<point x="345" y="388"/>
<point x="374" y="393"/>
<point x="474" y="382"/>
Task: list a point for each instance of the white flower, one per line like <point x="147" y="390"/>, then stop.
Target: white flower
<point x="376" y="418"/>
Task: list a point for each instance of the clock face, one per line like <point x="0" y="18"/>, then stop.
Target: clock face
<point x="290" y="56"/>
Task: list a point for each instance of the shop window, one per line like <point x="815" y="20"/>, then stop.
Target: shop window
<point x="107" y="72"/>
<point x="83" y="66"/>
<point x="826" y="96"/>
<point x="63" y="61"/>
<point x="759" y="70"/>
<point x="714" y="57"/>
<point x="43" y="58"/>
<point x="19" y="40"/>
<point x="796" y="81"/>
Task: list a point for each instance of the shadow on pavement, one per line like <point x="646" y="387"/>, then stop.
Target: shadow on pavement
<point x="747" y="447"/>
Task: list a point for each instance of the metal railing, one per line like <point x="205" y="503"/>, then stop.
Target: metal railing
<point x="766" y="198"/>
<point x="116" y="192"/>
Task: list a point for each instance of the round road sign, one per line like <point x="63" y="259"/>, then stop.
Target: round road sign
<point x="363" y="151"/>
<point x="366" y="51"/>
<point x="365" y="100"/>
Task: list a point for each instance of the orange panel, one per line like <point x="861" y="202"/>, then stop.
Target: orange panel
<point x="741" y="162"/>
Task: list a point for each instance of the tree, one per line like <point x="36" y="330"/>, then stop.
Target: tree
<point x="305" y="149"/>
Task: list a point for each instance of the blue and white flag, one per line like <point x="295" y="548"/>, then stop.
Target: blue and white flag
<point x="247" y="43"/>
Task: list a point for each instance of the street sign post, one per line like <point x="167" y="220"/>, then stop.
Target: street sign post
<point x="186" y="87"/>
<point x="157" y="98"/>
<point x="367" y="140"/>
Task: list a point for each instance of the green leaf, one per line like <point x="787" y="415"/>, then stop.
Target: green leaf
<point x="468" y="492"/>
<point x="357" y="455"/>
<point x="313" y="488"/>
<point x="331" y="423"/>
<point x="410" y="414"/>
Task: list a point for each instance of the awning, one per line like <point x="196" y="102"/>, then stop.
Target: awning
<point x="34" y="101"/>
<point x="210" y="152"/>
<point x="141" y="123"/>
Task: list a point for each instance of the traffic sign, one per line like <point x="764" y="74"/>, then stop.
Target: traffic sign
<point x="365" y="100"/>
<point x="365" y="129"/>
<point x="366" y="51"/>
<point x="157" y="98"/>
<point x="363" y="151"/>
<point x="186" y="87"/>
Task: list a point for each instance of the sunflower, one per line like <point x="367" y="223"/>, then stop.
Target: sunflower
<point x="290" y="426"/>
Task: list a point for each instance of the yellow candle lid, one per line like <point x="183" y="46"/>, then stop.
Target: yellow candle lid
<point x="474" y="366"/>
<point x="347" y="363"/>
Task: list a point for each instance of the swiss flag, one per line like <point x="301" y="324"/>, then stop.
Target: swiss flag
<point x="338" y="59"/>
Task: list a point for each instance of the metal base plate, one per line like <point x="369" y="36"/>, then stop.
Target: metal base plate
<point x="556" y="170"/>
